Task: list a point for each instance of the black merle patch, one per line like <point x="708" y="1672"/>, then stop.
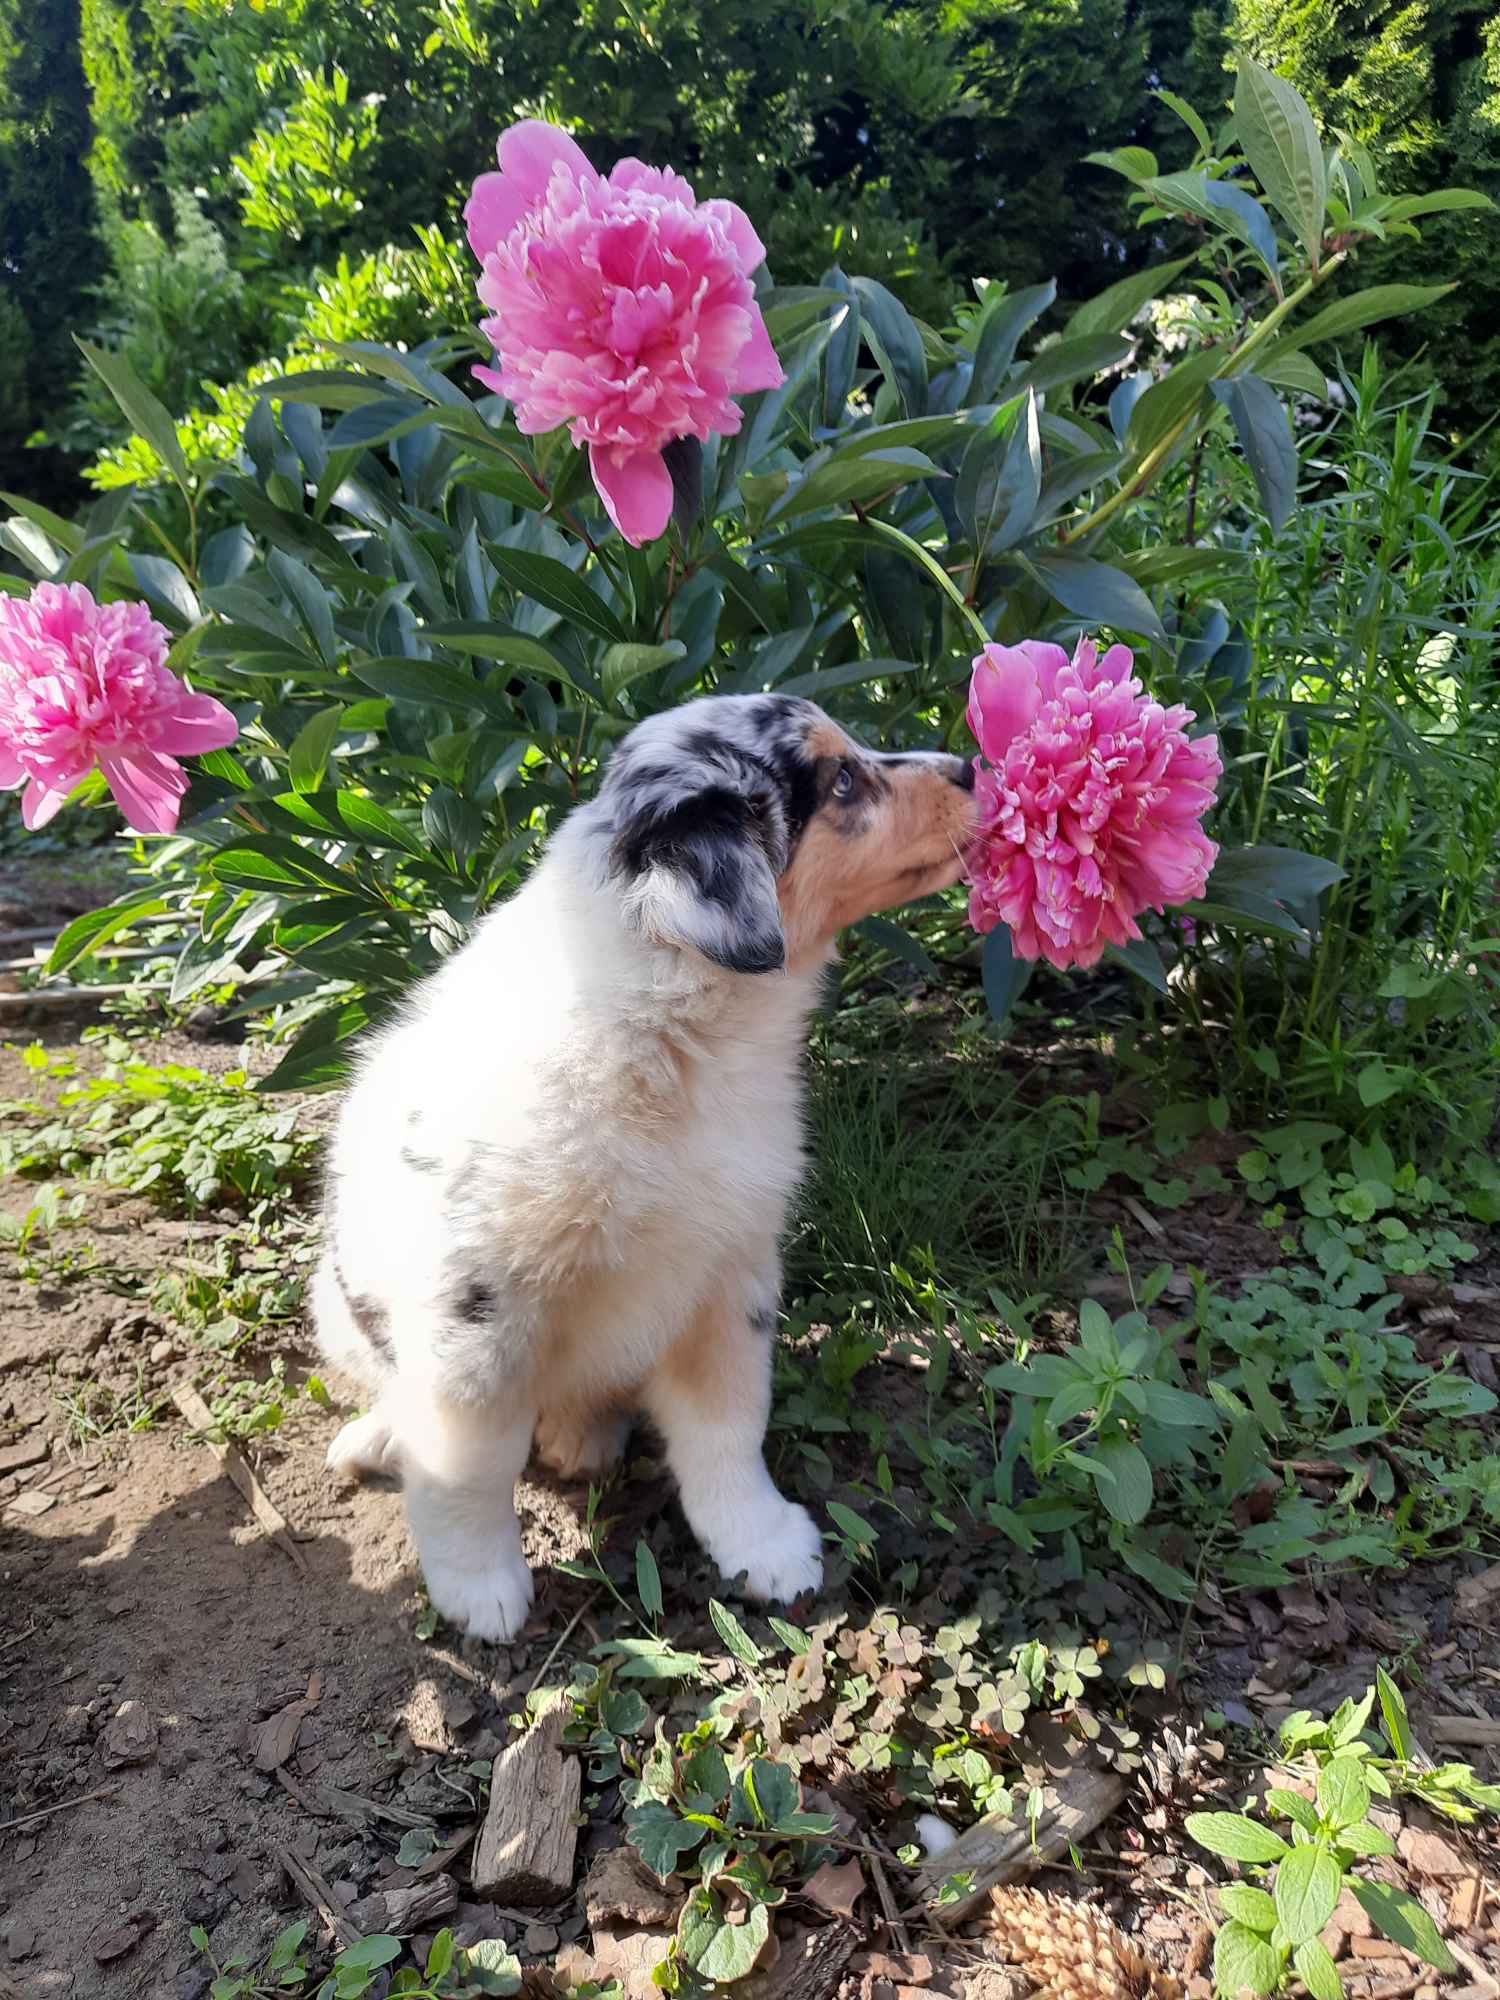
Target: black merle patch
<point x="762" y="1320"/>
<point x="370" y="1316"/>
<point x="474" y="1302"/>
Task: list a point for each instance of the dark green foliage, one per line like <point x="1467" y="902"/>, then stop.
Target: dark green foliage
<point x="48" y="251"/>
<point x="1419" y="85"/>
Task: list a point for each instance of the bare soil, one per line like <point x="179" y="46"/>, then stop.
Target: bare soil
<point x="153" y="1639"/>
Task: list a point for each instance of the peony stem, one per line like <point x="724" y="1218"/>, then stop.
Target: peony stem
<point x="934" y="569"/>
<point x="1162" y="450"/>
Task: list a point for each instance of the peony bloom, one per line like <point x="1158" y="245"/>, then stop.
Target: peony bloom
<point x="621" y="306"/>
<point x="85" y="685"/>
<point x="1089" y="808"/>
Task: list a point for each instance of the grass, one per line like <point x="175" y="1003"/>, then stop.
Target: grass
<point x="927" y="1159"/>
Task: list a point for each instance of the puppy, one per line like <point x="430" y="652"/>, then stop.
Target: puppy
<point x="560" y="1180"/>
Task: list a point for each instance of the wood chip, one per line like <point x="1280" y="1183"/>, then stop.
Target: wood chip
<point x="530" y="1836"/>
<point x="1465" y="1904"/>
<point x="1429" y="1854"/>
<point x="276" y="1739"/>
<point x="836" y="1888"/>
<point x="413" y="1909"/>
<point x="1475" y="1592"/>
<point x="997" y="1850"/>
<point x="130" y="1737"/>
<point x="237" y="1468"/>
<point x="620" y="1888"/>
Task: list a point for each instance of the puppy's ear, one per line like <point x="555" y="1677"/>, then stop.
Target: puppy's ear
<point x="697" y="868"/>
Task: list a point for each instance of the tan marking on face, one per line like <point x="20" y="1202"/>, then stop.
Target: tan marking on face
<point x="904" y="843"/>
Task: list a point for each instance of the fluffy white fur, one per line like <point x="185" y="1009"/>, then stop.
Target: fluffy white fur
<point x="556" y="1195"/>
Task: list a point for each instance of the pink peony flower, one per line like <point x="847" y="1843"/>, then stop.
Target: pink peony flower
<point x="622" y="306"/>
<point x="1089" y="807"/>
<point x="85" y="685"/>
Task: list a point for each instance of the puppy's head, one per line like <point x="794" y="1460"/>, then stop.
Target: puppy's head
<point x="752" y="828"/>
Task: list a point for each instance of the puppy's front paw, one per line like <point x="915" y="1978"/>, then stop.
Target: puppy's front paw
<point x="489" y="1597"/>
<point x="781" y="1554"/>
<point x="366" y="1445"/>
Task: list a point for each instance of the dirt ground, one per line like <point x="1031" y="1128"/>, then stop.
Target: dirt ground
<point x="188" y="1704"/>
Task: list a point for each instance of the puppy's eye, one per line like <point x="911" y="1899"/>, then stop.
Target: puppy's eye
<point x="843" y="784"/>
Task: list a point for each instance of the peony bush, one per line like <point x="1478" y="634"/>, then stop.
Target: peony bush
<point x="400" y="633"/>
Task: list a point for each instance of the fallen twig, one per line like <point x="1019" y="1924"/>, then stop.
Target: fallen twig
<point x="316" y="1893"/>
<point x="237" y="1466"/>
<point x="83" y="1798"/>
<point x="564" y="1636"/>
<point x="328" y="1802"/>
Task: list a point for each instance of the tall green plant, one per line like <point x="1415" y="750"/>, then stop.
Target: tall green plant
<point x="432" y="635"/>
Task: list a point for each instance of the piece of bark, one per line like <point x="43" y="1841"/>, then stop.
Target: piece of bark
<point x="1472" y="1730"/>
<point x="276" y="1738"/>
<point x="316" y="1893"/>
<point x="811" y="1968"/>
<point x="413" y="1909"/>
<point x="237" y="1467"/>
<point x="1475" y="1592"/>
<point x="530" y="1835"/>
<point x="1001" y="1849"/>
<point x="130" y="1737"/>
<point x="619" y="1888"/>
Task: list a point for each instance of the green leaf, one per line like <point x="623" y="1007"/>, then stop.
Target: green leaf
<point x="999" y="483"/>
<point x="266" y="862"/>
<point x="1070" y="360"/>
<point x="720" y="1952"/>
<point x="647" y="1580"/>
<point x="1189" y="118"/>
<point x="823" y="680"/>
<point x="765" y="1793"/>
<point x="372" y="824"/>
<point x="734" y="1635"/>
<point x="1249" y="1906"/>
<point x="895" y="342"/>
<point x="1242" y="1958"/>
<point x="1402" y="1919"/>
<point x="1236" y="1837"/>
<point x="1307" y="1889"/>
<point x="1098" y="593"/>
<point x="1360" y="309"/>
<point x="1365" y="1838"/>
<point x="853" y="1525"/>
<point x="146" y="416"/>
<point x="1225" y="203"/>
<point x="655" y="1660"/>
<point x="1266" y="440"/>
<point x="165" y="584"/>
<point x="1006" y="977"/>
<point x="1443" y="200"/>
<point x="622" y="664"/>
<point x="660" y="1835"/>
<point x="552" y="583"/>
<point x="440" y="1955"/>
<point x="999" y="334"/>
<point x="369" y="1954"/>
<point x="791" y="1636"/>
<point x="494" y="1956"/>
<point x="1393" y="1710"/>
<point x="1117" y="307"/>
<point x="1317" y="1971"/>
<point x="308" y="757"/>
<point x="1292" y="1806"/>
<point x="1178" y="1407"/>
<point x="1294" y="371"/>
<point x="1279" y="139"/>
<point x="1284" y="874"/>
<point x="1343" y="1795"/>
<point x="1127" y="1490"/>
<point x="81" y="938"/>
<point x="432" y="684"/>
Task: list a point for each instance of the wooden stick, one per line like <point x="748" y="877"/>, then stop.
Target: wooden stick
<point x="1464" y="1729"/>
<point x="83" y="1798"/>
<point x="327" y="1802"/>
<point x="998" y="1849"/>
<point x="237" y="1466"/>
<point x="316" y="1893"/>
<point x="888" y="1907"/>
